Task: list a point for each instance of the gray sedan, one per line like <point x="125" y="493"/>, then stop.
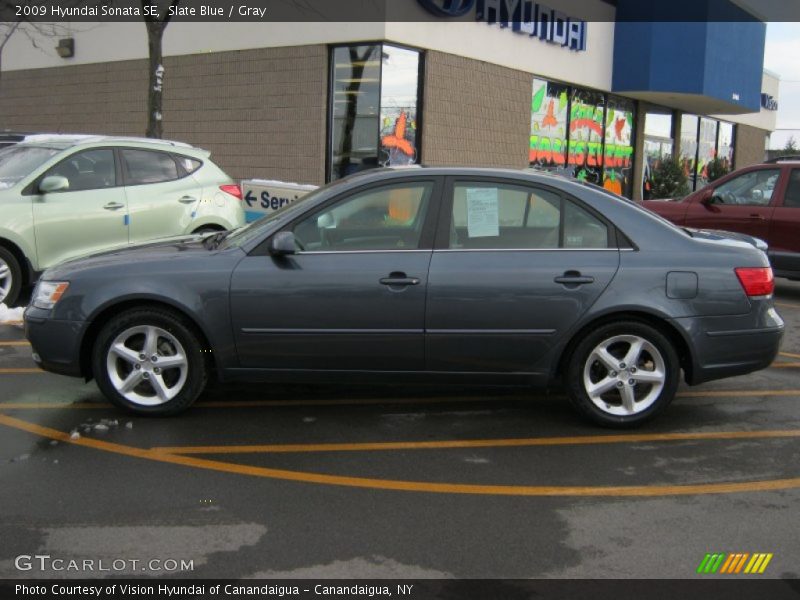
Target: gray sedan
<point x="420" y="275"/>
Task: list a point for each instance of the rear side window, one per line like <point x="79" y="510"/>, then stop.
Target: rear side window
<point x="508" y="217"/>
<point x="188" y="164"/>
<point x="145" y="166"/>
<point x="792" y="197"/>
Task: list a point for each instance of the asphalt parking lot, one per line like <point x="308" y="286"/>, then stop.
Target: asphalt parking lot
<point x="293" y="482"/>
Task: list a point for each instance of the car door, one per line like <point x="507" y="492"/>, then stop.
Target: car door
<point x="784" y="234"/>
<point x="89" y="216"/>
<point x="162" y="196"/>
<point x="744" y="204"/>
<point x="353" y="296"/>
<point x="515" y="267"/>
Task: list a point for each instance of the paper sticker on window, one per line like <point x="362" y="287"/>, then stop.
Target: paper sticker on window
<point x="483" y="219"/>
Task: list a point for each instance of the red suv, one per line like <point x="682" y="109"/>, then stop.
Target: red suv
<point x="762" y="201"/>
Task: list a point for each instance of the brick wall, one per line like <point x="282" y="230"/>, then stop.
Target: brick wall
<point x="475" y="113"/>
<point x="749" y="146"/>
<point x="260" y="112"/>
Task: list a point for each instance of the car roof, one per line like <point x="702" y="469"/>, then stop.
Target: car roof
<point x="63" y="141"/>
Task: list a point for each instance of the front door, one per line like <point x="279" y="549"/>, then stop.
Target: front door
<point x="353" y="296"/>
<point x="89" y="216"/>
<point x="518" y="268"/>
<point x="743" y="204"/>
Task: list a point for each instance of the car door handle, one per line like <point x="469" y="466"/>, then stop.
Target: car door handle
<point x="758" y="217"/>
<point x="187" y="200"/>
<point x="113" y="206"/>
<point x="399" y="279"/>
<point x="574" y="278"/>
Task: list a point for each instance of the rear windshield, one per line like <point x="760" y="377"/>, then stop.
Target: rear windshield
<point x="18" y="161"/>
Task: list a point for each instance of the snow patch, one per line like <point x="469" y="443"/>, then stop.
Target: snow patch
<point x="10" y="316"/>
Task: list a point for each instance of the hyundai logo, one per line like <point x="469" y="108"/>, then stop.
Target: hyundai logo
<point x="448" y="8"/>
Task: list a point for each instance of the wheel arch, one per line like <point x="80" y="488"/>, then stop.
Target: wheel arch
<point x="659" y="322"/>
<point x="108" y="312"/>
<point x="28" y="272"/>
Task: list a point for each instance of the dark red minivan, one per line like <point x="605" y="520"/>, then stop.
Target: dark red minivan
<point x="761" y="200"/>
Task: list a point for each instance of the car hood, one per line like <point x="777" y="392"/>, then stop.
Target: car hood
<point x="162" y="249"/>
<point x="719" y="235"/>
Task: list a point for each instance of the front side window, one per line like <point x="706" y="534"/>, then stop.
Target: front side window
<point x="490" y="216"/>
<point x="88" y="170"/>
<point x="751" y="189"/>
<point x="385" y="218"/>
<point x="144" y="166"/>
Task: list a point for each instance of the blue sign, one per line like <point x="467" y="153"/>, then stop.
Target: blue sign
<point x="448" y="8"/>
<point x="525" y="17"/>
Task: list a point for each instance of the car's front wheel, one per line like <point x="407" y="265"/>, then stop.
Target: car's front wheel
<point x="622" y="374"/>
<point x="150" y="361"/>
<point x="10" y="277"/>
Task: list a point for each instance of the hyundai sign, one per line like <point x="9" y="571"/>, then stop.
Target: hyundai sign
<point x="524" y="17"/>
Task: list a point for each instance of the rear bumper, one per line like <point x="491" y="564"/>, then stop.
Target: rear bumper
<point x="55" y="344"/>
<point x="725" y="347"/>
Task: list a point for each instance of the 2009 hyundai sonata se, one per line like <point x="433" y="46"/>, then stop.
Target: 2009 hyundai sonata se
<point x="411" y="275"/>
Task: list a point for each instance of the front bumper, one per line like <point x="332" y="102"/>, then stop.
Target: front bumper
<point x="730" y="346"/>
<point x="55" y="344"/>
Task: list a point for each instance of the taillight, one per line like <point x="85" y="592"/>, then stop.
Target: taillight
<point x="756" y="281"/>
<point x="233" y="189"/>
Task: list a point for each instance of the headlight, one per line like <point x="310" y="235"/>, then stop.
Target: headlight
<point x="48" y="293"/>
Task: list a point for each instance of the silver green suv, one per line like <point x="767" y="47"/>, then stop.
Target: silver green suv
<point x="67" y="196"/>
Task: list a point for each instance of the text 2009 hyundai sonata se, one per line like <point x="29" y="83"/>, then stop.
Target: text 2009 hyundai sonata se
<point x="428" y="274"/>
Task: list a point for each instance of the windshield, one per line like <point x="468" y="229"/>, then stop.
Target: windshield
<point x="240" y="236"/>
<point x="18" y="161"/>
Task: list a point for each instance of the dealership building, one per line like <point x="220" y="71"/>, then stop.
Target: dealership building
<point x="597" y="89"/>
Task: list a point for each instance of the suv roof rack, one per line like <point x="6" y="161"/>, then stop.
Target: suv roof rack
<point x="126" y="138"/>
<point x="787" y="158"/>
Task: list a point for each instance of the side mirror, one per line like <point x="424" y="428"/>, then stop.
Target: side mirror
<point x="282" y="244"/>
<point x="53" y="183"/>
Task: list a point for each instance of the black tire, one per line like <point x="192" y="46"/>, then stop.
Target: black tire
<point x="608" y="408"/>
<point x="182" y="331"/>
<point x="15" y="273"/>
<point x="207" y="229"/>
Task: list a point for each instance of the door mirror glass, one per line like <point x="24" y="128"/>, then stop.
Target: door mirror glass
<point x="53" y="183"/>
<point x="282" y="244"/>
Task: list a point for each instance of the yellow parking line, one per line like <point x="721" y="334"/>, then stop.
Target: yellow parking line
<point x="15" y="343"/>
<point x="501" y="443"/>
<point x="785" y="365"/>
<point x="789" y="355"/>
<point x="19" y="371"/>
<point x="400" y="485"/>
<point x="737" y="393"/>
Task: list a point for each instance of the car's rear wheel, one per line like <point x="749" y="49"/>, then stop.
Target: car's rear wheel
<point x="10" y="277"/>
<point x="150" y="361"/>
<point x="623" y="374"/>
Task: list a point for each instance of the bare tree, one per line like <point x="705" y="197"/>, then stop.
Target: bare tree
<point x="155" y="34"/>
<point x="35" y="32"/>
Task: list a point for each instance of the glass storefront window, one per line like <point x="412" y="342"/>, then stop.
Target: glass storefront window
<point x="586" y="121"/>
<point x="725" y="145"/>
<point x="689" y="125"/>
<point x="658" y="143"/>
<point x="399" y="98"/>
<point x="618" y="149"/>
<point x="706" y="149"/>
<point x="374" y="93"/>
<point x="549" y="116"/>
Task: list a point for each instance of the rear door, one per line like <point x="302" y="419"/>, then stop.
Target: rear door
<point x="744" y="204"/>
<point x="162" y="196"/>
<point x="784" y="235"/>
<point x="515" y="267"/>
<point x="90" y="216"/>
